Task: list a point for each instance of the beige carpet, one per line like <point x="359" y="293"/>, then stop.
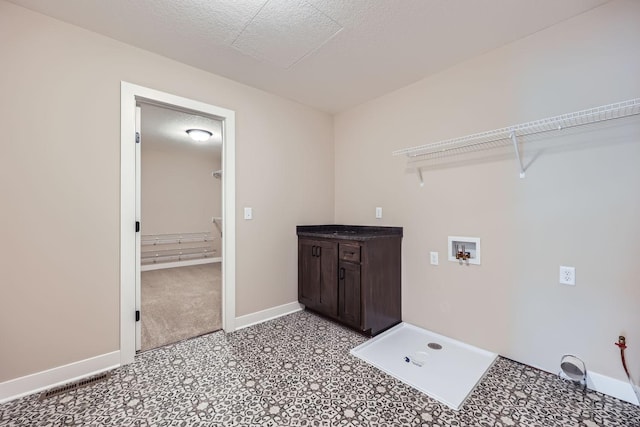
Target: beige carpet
<point x="180" y="303"/>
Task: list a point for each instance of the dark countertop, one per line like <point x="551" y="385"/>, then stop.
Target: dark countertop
<point x="349" y="232"/>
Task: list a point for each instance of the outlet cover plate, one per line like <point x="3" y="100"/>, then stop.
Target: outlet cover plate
<point x="434" y="258"/>
<point x="567" y="275"/>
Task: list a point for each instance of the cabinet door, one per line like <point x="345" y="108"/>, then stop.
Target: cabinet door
<point x="308" y="273"/>
<point x="317" y="274"/>
<point x="349" y="301"/>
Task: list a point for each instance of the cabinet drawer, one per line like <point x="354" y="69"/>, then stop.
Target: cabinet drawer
<point x="349" y="252"/>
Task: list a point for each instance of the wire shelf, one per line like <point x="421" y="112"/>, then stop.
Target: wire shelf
<point x="162" y="248"/>
<point x="177" y="238"/>
<point x="497" y="137"/>
<point x="176" y="257"/>
<point x="165" y="255"/>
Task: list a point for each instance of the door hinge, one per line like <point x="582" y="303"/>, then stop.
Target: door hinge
<point x="137" y="315"/>
<point x="137" y="137"/>
<point x="137" y="226"/>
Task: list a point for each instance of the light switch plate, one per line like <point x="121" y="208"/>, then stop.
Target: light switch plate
<point x="378" y="213"/>
<point x="248" y="213"/>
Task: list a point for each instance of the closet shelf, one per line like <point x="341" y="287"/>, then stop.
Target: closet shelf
<point x="171" y="252"/>
<point x="179" y="257"/>
<point x="492" y="138"/>
<point x="177" y="238"/>
<point x="183" y="254"/>
<point x="163" y="248"/>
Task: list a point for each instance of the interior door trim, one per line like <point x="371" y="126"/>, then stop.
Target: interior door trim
<point x="130" y="94"/>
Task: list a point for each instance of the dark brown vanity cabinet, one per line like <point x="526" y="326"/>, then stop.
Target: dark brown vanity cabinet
<point x="351" y="274"/>
<point x="317" y="271"/>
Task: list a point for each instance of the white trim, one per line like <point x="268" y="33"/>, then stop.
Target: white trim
<point x="127" y="216"/>
<point x="601" y="383"/>
<point x="138" y="236"/>
<point x="268" y="314"/>
<point x="610" y="386"/>
<point x="129" y="95"/>
<point x="229" y="221"/>
<point x="185" y="263"/>
<point x="29" y="384"/>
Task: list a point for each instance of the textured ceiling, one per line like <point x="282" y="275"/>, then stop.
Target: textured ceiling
<point x="165" y="128"/>
<point x="329" y="54"/>
<point x="285" y="31"/>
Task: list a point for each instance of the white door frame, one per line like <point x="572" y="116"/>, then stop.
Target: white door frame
<point x="129" y="95"/>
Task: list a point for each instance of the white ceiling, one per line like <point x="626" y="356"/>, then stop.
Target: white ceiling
<point x="329" y="54"/>
<point x="165" y="128"/>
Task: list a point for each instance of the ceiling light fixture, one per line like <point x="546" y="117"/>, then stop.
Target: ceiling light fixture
<point x="199" y="135"/>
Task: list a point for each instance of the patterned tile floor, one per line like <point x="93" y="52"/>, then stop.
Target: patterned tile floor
<point x="297" y="371"/>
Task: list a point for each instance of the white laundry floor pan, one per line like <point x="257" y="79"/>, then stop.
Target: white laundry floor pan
<point x="411" y="354"/>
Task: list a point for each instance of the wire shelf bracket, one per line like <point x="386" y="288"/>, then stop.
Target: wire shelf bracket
<point x="488" y="139"/>
<point x="419" y="170"/>
<point x="514" y="139"/>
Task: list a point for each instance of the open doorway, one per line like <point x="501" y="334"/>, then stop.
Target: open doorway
<point x="130" y="208"/>
<point x="180" y="213"/>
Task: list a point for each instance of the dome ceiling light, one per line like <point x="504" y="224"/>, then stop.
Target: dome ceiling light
<point x="199" y="135"/>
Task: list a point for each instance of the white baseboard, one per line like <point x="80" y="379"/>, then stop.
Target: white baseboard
<point x="610" y="386"/>
<point x="29" y="384"/>
<point x="185" y="263"/>
<point x="268" y="314"/>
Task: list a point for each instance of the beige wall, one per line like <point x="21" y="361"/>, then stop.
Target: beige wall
<point x="179" y="195"/>
<point x="60" y="181"/>
<point x="579" y="204"/>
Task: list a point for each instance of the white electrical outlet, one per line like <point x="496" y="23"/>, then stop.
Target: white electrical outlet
<point x="567" y="275"/>
<point x="434" y="258"/>
<point x="378" y="213"/>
